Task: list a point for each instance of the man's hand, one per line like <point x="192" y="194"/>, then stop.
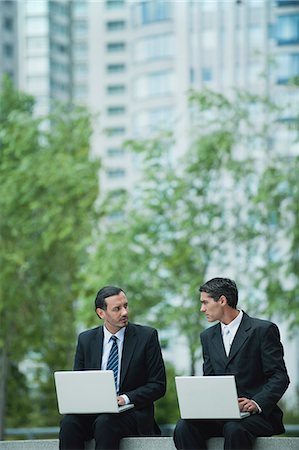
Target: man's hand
<point x="120" y="401"/>
<point x="247" y="405"/>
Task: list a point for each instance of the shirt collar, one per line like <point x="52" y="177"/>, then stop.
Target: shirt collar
<point x="120" y="334"/>
<point x="234" y="324"/>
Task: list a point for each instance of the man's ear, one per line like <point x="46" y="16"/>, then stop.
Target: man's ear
<point x="223" y="300"/>
<point x="100" y="312"/>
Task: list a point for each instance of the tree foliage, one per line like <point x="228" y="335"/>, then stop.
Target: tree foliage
<point x="210" y="213"/>
<point x="228" y="207"/>
<point x="47" y="194"/>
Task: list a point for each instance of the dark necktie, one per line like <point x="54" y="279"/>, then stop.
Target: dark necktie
<point x="112" y="363"/>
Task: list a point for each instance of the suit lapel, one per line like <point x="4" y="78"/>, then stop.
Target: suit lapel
<point x="240" y="337"/>
<point x="128" y="350"/>
<point x="218" y="343"/>
<point x="97" y="348"/>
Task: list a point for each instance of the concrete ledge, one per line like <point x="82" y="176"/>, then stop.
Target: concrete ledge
<point x="154" y="443"/>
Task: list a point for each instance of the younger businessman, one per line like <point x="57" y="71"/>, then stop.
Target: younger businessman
<point x="251" y="350"/>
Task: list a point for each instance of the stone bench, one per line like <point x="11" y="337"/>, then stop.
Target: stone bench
<point x="154" y="443"/>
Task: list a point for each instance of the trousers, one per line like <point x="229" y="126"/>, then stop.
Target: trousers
<point x="106" y="429"/>
<point x="238" y="434"/>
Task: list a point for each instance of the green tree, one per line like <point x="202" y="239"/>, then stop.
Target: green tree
<point x="47" y="195"/>
<point x="196" y="217"/>
<point x="169" y="234"/>
<point x="277" y="201"/>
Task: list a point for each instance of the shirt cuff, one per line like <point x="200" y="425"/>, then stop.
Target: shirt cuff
<point x="258" y="407"/>
<point x="127" y="400"/>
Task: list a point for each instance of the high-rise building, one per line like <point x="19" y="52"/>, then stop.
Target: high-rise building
<point x="133" y="61"/>
<point x="144" y="55"/>
<point x="45" y="51"/>
<point x="285" y="36"/>
<point x="8" y="40"/>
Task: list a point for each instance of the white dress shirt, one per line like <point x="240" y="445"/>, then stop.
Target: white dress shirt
<point x="232" y="327"/>
<point x="107" y="344"/>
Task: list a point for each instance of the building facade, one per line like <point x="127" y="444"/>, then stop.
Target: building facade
<point x="8" y="40"/>
<point x="133" y="61"/>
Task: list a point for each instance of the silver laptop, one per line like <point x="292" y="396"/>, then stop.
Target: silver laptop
<point x="208" y="397"/>
<point x="87" y="392"/>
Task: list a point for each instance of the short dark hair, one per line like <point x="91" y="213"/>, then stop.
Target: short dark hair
<point x="221" y="286"/>
<point x="106" y="291"/>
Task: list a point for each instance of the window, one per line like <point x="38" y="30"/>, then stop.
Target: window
<point x="115" y="89"/>
<point x="148" y="11"/>
<point x="8" y="50"/>
<point x="37" y="43"/>
<point x="57" y="87"/>
<point x="288" y="67"/>
<point x="58" y="67"/>
<point x="255" y="14"/>
<point x="80" y="7"/>
<point x="55" y="7"/>
<point x="116" y="173"/>
<point x="58" y="28"/>
<point x="80" y="90"/>
<point x="161" y="117"/>
<point x="115" y="152"/>
<point x="154" y="120"/>
<point x="37" y="25"/>
<point x="80" y="49"/>
<point x="116" y="131"/>
<point x="80" y="69"/>
<point x="8" y="23"/>
<point x="115" y="25"/>
<point x="38" y="83"/>
<point x="156" y="83"/>
<point x="154" y="47"/>
<point x="116" y="110"/>
<point x="116" y="68"/>
<point x="39" y="65"/>
<point x="36" y="8"/>
<point x="208" y="19"/>
<point x="80" y="28"/>
<point x="191" y="75"/>
<point x="287" y="2"/>
<point x="255" y="36"/>
<point x="116" y="47"/>
<point x="207" y="74"/>
<point x="115" y="4"/>
<point x="287" y="31"/>
<point x="58" y="47"/>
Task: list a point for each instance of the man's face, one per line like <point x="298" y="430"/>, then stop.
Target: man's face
<point x="212" y="309"/>
<point x="116" y="315"/>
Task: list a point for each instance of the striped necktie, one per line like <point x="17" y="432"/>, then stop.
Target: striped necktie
<point x="112" y="363"/>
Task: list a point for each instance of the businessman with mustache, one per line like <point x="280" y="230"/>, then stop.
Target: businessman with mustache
<point x="140" y="376"/>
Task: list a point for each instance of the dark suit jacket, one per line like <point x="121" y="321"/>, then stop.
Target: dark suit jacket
<point x="256" y="360"/>
<point x="142" y="376"/>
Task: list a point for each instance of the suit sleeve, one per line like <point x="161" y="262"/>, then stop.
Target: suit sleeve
<point x="207" y="365"/>
<point x="275" y="372"/>
<point x="153" y="386"/>
<point x="79" y="361"/>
